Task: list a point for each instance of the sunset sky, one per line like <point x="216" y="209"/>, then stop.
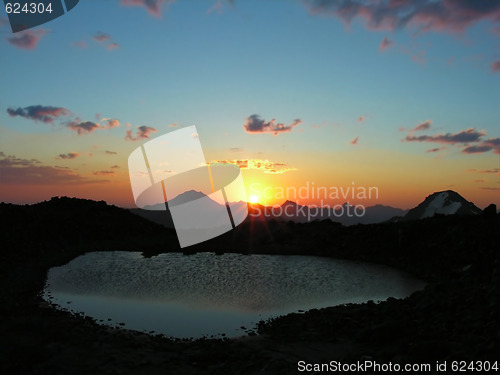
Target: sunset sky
<point x="399" y="95"/>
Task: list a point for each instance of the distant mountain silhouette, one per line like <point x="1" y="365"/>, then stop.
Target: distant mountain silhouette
<point x="446" y="202"/>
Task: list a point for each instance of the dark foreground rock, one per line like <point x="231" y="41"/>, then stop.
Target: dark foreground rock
<point x="456" y="317"/>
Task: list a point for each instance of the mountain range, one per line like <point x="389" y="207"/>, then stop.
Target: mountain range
<point x="446" y="202"/>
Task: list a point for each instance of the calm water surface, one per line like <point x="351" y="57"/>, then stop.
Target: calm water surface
<point x="207" y="294"/>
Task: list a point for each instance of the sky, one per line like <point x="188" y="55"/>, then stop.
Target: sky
<point x="400" y="96"/>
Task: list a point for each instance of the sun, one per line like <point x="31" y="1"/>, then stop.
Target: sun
<point x="253" y="199"/>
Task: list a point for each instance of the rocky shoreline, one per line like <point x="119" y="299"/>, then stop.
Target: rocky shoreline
<point x="456" y="317"/>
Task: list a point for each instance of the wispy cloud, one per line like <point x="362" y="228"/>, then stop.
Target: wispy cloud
<point x="42" y="113"/>
<point x="154" y="7"/>
<point x="20" y="171"/>
<point x="265" y="165"/>
<point x="105" y="40"/>
<point x="495" y="66"/>
<point x="355" y="141"/>
<point x="464" y="136"/>
<point x="437" y="149"/>
<point x="111" y="152"/>
<point x="105" y="173"/>
<point x="27" y="39"/>
<point x="385" y="44"/>
<point x="143" y="132"/>
<point x="254" y="124"/>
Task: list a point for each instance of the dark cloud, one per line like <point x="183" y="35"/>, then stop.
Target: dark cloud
<point x="27" y="39"/>
<point x="476" y="149"/>
<point x="71" y="155"/>
<point x="465" y="136"/>
<point x="143" y="132"/>
<point x="115" y="166"/>
<point x="254" y="124"/>
<point x="385" y="43"/>
<point x="39" y="113"/>
<point x="19" y="171"/>
<point x="86" y="127"/>
<point x="423" y="15"/>
<point x="437" y="149"/>
<point x="152" y="6"/>
<point x="111" y="152"/>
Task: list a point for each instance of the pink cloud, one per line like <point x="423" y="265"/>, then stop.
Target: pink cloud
<point x="27" y="39"/>
<point x="81" y="44"/>
<point x="152" y="6"/>
<point x="143" y="132"/>
<point x="355" y="141"/>
<point x="386" y="43"/>
<point x="495" y="66"/>
<point x="424" y="15"/>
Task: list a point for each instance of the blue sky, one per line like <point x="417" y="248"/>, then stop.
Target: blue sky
<point x="215" y="63"/>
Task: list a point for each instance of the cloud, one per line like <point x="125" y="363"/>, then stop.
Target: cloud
<point x="80" y="44"/>
<point x="484" y="146"/>
<point x="476" y="149"/>
<point x="101" y="37"/>
<point x="112" y="46"/>
<point x="32" y="172"/>
<point x="86" y="127"/>
<point x="490" y="188"/>
<point x="41" y="113"/>
<point x="423" y="126"/>
<point x="385" y="43"/>
<point x="495" y="66"/>
<point x="361" y="118"/>
<point x="236" y="149"/>
<point x="479" y="181"/>
<point x="110" y="123"/>
<point x="437" y="149"/>
<point x="254" y="124"/>
<point x="27" y="39"/>
<point x="111" y="152"/>
<point x="173" y="125"/>
<point x="105" y="40"/>
<point x="355" y="141"/>
<point x="71" y="155"/>
<point x="143" y="132"/>
<point x="465" y="136"/>
<point x="424" y="15"/>
<point x="105" y="173"/>
<point x="488" y="171"/>
<point x="152" y="6"/>
<point x="115" y="166"/>
<point x="264" y="165"/>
